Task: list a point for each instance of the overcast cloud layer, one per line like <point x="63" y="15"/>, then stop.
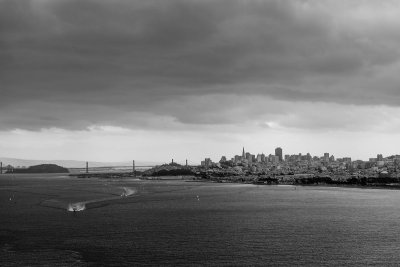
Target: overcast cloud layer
<point x="72" y="64"/>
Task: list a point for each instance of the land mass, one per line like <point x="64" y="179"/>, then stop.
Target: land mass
<point x="237" y="175"/>
<point x="42" y="168"/>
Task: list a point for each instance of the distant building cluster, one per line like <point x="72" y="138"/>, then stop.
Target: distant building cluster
<point x="305" y="164"/>
<point x="247" y="158"/>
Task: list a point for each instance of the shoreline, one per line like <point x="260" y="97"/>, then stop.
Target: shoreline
<point x="387" y="186"/>
<point x="196" y="179"/>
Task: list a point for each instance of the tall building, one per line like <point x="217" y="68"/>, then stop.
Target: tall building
<point x="243" y="154"/>
<point x="207" y="163"/>
<point x="278" y="152"/>
<point x="249" y="157"/>
<point x="347" y="160"/>
<point x="274" y="159"/>
<point x="237" y="159"/>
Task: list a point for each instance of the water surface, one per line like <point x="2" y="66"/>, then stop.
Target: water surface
<point x="133" y="222"/>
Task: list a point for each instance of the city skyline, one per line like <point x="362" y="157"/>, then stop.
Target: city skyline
<point x="282" y="157"/>
<point x="236" y="158"/>
<point x="155" y="80"/>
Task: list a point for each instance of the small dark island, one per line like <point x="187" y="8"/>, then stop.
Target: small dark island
<point x="42" y="168"/>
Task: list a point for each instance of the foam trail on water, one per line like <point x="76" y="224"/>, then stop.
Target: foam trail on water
<point x="128" y="191"/>
<point x="79" y="206"/>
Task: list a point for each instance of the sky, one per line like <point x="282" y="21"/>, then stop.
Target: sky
<point x="154" y="80"/>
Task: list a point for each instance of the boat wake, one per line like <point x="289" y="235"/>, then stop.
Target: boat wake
<point x="128" y="191"/>
<point x="80" y="206"/>
<point x="76" y="206"/>
<point x="63" y="204"/>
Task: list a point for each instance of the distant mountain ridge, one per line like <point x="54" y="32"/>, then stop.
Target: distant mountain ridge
<point x="42" y="168"/>
<point x="15" y="162"/>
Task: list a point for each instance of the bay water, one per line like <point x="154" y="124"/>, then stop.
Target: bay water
<point x="176" y="222"/>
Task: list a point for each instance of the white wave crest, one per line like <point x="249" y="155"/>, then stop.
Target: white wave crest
<point x="128" y="191"/>
<point x="79" y="206"/>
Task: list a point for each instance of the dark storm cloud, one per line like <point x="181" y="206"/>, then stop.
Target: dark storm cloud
<point x="74" y="63"/>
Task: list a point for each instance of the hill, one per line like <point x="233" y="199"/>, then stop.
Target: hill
<point x="171" y="169"/>
<point x="43" y="168"/>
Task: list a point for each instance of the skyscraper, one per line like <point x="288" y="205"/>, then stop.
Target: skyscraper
<point x="243" y="154"/>
<point x="278" y="152"/>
